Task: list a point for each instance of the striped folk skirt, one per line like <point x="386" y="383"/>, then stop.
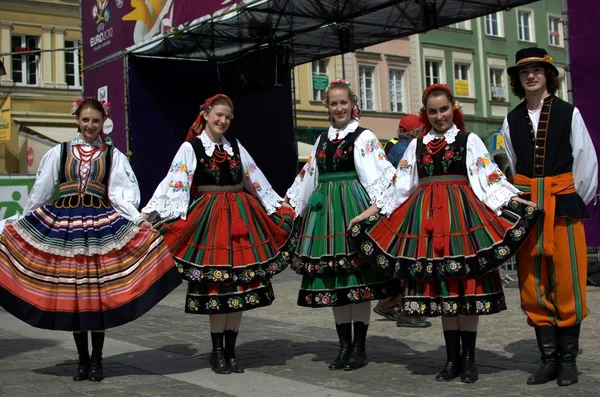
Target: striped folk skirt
<point x="77" y="264"/>
<point x="333" y="272"/>
<point x="448" y="245"/>
<point x="227" y="249"/>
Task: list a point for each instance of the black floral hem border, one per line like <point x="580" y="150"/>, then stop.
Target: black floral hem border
<point x="471" y="305"/>
<point x="429" y="269"/>
<point x="229" y="303"/>
<point x="343" y="296"/>
<point x="227" y="274"/>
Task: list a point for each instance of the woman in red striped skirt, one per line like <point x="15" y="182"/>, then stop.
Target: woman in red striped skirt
<point x="454" y="219"/>
<point x="88" y="261"/>
<point x="226" y="244"/>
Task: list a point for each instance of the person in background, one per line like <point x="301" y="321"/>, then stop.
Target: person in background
<point x="409" y="128"/>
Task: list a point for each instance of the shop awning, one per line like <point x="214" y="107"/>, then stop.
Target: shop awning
<point x="57" y="134"/>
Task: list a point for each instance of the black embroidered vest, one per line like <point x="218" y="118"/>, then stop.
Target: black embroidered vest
<point x="214" y="171"/>
<point x="550" y="152"/>
<point x="337" y="156"/>
<point x="452" y="159"/>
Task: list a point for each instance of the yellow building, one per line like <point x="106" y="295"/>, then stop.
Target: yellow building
<point x="384" y="77"/>
<point x="39" y="87"/>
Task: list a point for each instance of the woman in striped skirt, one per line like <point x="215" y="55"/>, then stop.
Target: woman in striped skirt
<point x="346" y="172"/>
<point x="226" y="244"/>
<point x="88" y="261"/>
<point x="457" y="220"/>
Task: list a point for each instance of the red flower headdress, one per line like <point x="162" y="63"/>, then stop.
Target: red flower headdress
<point x="198" y="126"/>
<point x="458" y="117"/>
<point x="75" y="105"/>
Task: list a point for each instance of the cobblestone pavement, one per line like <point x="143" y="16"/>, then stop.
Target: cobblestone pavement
<point x="286" y="350"/>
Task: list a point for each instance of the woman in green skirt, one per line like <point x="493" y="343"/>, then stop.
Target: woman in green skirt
<point x="347" y="171"/>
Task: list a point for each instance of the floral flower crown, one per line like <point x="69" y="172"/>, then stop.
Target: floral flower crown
<point x="75" y="105"/>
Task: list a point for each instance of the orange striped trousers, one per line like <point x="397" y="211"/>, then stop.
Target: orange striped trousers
<point x="553" y="287"/>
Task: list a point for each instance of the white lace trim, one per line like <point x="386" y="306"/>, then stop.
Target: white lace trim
<point x="450" y="135"/>
<point x="500" y="195"/>
<point x="389" y="202"/>
<point x="297" y="199"/>
<point x="209" y="146"/>
<point x="113" y="245"/>
<point x="168" y="207"/>
<point x="342" y="133"/>
<point x="377" y="189"/>
<point x="271" y="201"/>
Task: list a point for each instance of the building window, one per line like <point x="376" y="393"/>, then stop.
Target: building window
<point x="464" y="25"/>
<point x="461" y="79"/>
<point x="320" y="78"/>
<point x="497" y="84"/>
<point x="554" y="31"/>
<point x="561" y="90"/>
<point x="396" y="90"/>
<point x="524" y="27"/>
<point x="366" y="82"/>
<point x="72" y="64"/>
<point x="433" y="72"/>
<point x="492" y="24"/>
<point x="25" y="67"/>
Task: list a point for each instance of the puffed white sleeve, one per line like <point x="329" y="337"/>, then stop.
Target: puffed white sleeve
<point x="585" y="161"/>
<point x="305" y="182"/>
<point x="485" y="178"/>
<point x="256" y="183"/>
<point x="404" y="182"/>
<point x="172" y="196"/>
<point x="123" y="188"/>
<point x="374" y="171"/>
<point x="508" y="147"/>
<point x="46" y="180"/>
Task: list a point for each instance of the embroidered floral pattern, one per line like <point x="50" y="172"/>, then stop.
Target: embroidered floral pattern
<point x="493" y="178"/>
<point x="370" y="147"/>
<point x="427" y="163"/>
<point x="451" y="156"/>
<point x="480" y="163"/>
<point x="404" y="167"/>
<point x="193" y="304"/>
<point x="359" y="294"/>
<point x="502" y="252"/>
<point x="235" y="302"/>
<point x="252" y="299"/>
<point x="179" y="186"/>
<point x="518" y="234"/>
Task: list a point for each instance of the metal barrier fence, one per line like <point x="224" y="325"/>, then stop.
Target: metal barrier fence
<point x="508" y="271"/>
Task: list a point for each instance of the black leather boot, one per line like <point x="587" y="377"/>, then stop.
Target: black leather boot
<point x="452" y="368"/>
<point x="344" y="332"/>
<point x="547" y="340"/>
<point x="358" y="355"/>
<point x="469" y="370"/>
<point x="232" y="361"/>
<point x="83" y="368"/>
<point x="568" y="347"/>
<point x="96" y="370"/>
<point x="217" y="357"/>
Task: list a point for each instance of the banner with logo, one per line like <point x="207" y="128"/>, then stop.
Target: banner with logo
<point x="110" y="26"/>
<point x="5" y="121"/>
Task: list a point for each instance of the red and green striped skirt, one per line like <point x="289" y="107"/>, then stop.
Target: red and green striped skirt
<point x="227" y="249"/>
<point x="334" y="273"/>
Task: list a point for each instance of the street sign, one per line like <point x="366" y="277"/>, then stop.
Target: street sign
<point x="320" y="81"/>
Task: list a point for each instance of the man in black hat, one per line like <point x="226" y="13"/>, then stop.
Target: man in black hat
<point x="555" y="165"/>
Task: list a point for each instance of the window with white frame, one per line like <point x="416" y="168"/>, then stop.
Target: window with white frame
<point x="320" y="70"/>
<point x="524" y="25"/>
<point x="366" y="82"/>
<point x="554" y="31"/>
<point x="492" y="24"/>
<point x="72" y="64"/>
<point x="461" y="79"/>
<point x="25" y="66"/>
<point x="497" y="84"/>
<point x="463" y="25"/>
<point x="396" y="90"/>
<point x="433" y="72"/>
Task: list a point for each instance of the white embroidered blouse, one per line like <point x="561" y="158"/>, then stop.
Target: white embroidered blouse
<point x="123" y="189"/>
<point x="172" y="196"/>
<point x="480" y="166"/>
<point x="375" y="173"/>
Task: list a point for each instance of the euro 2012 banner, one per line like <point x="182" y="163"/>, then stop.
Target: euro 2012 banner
<point x="110" y="26"/>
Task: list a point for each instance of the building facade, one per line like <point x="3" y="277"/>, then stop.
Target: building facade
<point x="472" y="57"/>
<point x="383" y="77"/>
<point x="38" y="88"/>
